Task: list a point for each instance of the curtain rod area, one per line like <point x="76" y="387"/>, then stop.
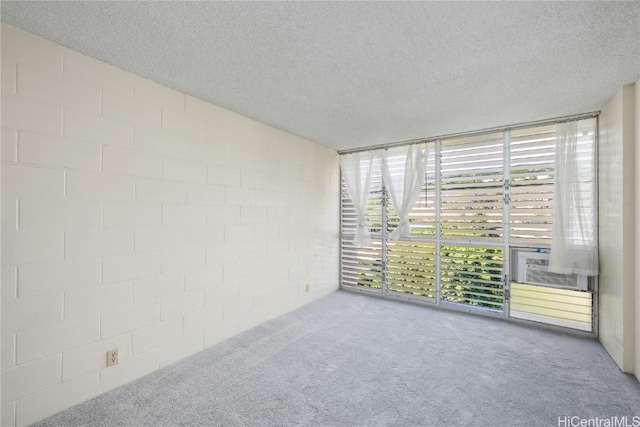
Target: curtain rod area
<point x="476" y="132"/>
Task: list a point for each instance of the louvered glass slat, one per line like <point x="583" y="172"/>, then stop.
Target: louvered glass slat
<point x="361" y="267"/>
<point x="423" y="215"/>
<point x="472" y="188"/>
<point x="472" y="276"/>
<point x="411" y="269"/>
<point x="532" y="175"/>
<point x="374" y="205"/>
<point x="584" y="184"/>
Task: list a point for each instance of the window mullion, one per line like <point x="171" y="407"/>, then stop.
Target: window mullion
<point x="506" y="212"/>
<point x="438" y="179"/>
<point x="384" y="234"/>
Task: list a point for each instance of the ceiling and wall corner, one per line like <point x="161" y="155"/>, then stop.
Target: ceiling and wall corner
<point x="356" y="74"/>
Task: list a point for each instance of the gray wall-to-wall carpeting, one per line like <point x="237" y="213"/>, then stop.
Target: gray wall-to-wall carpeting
<point x="354" y="360"/>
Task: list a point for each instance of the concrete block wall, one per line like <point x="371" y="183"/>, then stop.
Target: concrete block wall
<point x="140" y="218"/>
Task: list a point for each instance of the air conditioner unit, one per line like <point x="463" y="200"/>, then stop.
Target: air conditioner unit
<point x="533" y="269"/>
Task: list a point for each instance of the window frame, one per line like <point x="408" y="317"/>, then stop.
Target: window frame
<point x="436" y="238"/>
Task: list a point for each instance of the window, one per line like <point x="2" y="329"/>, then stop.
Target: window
<point x="362" y="266"/>
<point x="531" y="185"/>
<point x="482" y="196"/>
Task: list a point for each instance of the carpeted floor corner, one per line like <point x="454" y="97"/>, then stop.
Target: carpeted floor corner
<point x="354" y="360"/>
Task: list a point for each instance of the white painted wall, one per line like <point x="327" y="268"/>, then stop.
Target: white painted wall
<point x="637" y="263"/>
<point x="617" y="193"/>
<point x="138" y="217"/>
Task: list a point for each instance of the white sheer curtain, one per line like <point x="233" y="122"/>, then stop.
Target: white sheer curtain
<point x="356" y="172"/>
<point x="573" y="246"/>
<point x="403" y="173"/>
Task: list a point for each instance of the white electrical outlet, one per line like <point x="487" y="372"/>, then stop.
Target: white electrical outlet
<point x="112" y="357"/>
<point x="307" y="287"/>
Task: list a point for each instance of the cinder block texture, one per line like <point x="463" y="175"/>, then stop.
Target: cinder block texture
<point x="140" y="218"/>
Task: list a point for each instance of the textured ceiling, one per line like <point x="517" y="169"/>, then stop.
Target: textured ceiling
<point x="353" y="74"/>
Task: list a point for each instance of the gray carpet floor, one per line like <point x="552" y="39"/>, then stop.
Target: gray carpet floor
<point x="354" y="360"/>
